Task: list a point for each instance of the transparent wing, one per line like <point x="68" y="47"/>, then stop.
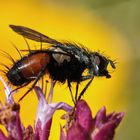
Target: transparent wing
<point x="51" y="51"/>
<point x="33" y="35"/>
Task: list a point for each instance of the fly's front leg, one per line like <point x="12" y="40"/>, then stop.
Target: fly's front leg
<point x="87" y="77"/>
<point x="87" y="85"/>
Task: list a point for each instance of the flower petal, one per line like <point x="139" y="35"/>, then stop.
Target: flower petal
<point x="107" y="130"/>
<point x="76" y="132"/>
<point x="14" y="128"/>
<point x="8" y="90"/>
<point x="100" y="117"/>
<point x="45" y="113"/>
<point x="45" y="132"/>
<point x="45" y="110"/>
<point x="62" y="134"/>
<point x="29" y="134"/>
<point x="84" y="115"/>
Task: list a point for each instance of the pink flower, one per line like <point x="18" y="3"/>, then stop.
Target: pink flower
<point x="84" y="127"/>
<point x="80" y="123"/>
<point x="9" y="117"/>
<point x="45" y="113"/>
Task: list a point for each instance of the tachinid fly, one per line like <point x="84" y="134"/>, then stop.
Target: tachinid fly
<point x="62" y="61"/>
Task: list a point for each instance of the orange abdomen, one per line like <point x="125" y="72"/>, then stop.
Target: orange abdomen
<point x="34" y="64"/>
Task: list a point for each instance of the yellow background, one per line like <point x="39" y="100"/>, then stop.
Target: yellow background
<point x="74" y="22"/>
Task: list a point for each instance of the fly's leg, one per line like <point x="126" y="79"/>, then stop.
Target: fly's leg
<point x="87" y="77"/>
<point x="69" y="85"/>
<point x="45" y="91"/>
<point x="41" y="73"/>
<point x="42" y="83"/>
<point x="76" y="94"/>
<point x="18" y="88"/>
<point x="50" y="95"/>
<point x="87" y="85"/>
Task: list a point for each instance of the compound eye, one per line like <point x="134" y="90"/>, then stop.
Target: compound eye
<point x="96" y="69"/>
<point x="97" y="60"/>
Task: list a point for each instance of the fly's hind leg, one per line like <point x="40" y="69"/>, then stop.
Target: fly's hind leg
<point x="18" y="88"/>
<point x="41" y="73"/>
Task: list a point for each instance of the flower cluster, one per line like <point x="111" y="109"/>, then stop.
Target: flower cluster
<point x="85" y="127"/>
<point x="80" y="125"/>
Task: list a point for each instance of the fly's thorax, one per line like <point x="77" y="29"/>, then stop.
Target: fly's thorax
<point x="59" y="55"/>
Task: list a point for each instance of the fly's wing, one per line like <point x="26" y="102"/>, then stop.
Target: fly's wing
<point x="70" y="48"/>
<point x="33" y="35"/>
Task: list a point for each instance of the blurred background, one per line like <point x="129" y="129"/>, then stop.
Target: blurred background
<point x="111" y="26"/>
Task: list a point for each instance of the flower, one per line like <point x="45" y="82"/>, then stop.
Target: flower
<point x="84" y="127"/>
<point x="80" y="123"/>
<point x="10" y="118"/>
<point x="45" y="113"/>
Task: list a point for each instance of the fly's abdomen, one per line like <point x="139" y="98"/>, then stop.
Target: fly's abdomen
<point x="28" y="68"/>
<point x="15" y="76"/>
<point x="34" y="65"/>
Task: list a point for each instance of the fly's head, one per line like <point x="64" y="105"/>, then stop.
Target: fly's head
<point x="99" y="64"/>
